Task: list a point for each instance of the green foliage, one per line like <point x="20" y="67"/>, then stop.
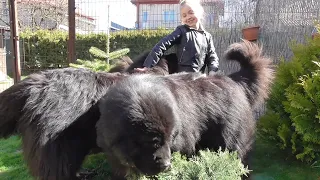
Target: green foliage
<point x="118" y="54"/>
<point x="268" y="163"/>
<point x="48" y="49"/>
<point x="136" y="41"/>
<point x="98" y="53"/>
<point x="222" y="165"/>
<point x="111" y="56"/>
<point x="44" y="49"/>
<point x="12" y="164"/>
<point x="95" y="65"/>
<point x="292" y="120"/>
<point x="98" y="64"/>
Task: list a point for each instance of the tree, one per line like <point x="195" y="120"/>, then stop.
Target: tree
<point x="4" y="14"/>
<point x="41" y="14"/>
<point x="240" y="12"/>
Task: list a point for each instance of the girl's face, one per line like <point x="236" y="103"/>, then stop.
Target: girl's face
<point x="188" y="16"/>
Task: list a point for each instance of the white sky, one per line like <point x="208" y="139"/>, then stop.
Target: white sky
<point x="122" y="12"/>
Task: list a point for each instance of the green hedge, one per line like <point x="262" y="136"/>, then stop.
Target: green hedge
<point x="293" y="116"/>
<point x="45" y="49"/>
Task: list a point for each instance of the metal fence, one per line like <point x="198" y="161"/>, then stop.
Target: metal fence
<point x="280" y="21"/>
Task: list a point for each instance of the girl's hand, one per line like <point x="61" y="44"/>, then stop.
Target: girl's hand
<point x="140" y="69"/>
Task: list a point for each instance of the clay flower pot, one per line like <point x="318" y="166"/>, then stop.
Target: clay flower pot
<point x="251" y="33"/>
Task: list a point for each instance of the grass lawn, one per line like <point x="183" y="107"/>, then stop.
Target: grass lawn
<point x="268" y="163"/>
<point x="11" y="162"/>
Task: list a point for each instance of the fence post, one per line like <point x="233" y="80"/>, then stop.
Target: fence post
<point x="72" y="31"/>
<point x="15" y="39"/>
<point x="108" y="36"/>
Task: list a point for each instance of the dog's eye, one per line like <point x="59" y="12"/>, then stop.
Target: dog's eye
<point x="156" y="140"/>
<point x="156" y="146"/>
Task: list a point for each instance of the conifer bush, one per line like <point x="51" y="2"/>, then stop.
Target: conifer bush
<point x="222" y="165"/>
<point x="292" y="119"/>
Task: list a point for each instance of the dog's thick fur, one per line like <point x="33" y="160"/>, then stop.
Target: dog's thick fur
<point x="146" y="117"/>
<point x="55" y="112"/>
<point x="167" y="64"/>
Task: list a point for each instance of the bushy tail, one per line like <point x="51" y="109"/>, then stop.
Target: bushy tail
<point x="256" y="72"/>
<point x="12" y="101"/>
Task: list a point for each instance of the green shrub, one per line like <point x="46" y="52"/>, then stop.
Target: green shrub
<point x="136" y="41"/>
<point x="222" y="165"/>
<point x="111" y="56"/>
<point x="95" y="65"/>
<point x="48" y="49"/>
<point x="100" y="64"/>
<point x="44" y="49"/>
<point x="292" y="119"/>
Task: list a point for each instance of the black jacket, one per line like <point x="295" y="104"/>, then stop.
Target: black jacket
<point x="195" y="50"/>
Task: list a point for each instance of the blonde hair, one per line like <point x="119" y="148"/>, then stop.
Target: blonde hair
<point x="196" y="7"/>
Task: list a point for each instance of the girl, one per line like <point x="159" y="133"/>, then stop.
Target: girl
<point x="195" y="49"/>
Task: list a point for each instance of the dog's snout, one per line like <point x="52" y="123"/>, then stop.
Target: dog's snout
<point x="166" y="165"/>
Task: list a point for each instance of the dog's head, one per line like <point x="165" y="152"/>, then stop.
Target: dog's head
<point x="146" y="137"/>
<point x="150" y="151"/>
<point x="143" y="148"/>
<point x="136" y="125"/>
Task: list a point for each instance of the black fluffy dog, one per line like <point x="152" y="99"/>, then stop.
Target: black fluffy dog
<point x="56" y="111"/>
<point x="146" y="117"/>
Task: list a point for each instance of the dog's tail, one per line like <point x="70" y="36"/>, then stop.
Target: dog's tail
<point x="256" y="72"/>
<point x="12" y="101"/>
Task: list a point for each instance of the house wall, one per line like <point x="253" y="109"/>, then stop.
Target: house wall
<point x="82" y="24"/>
<point x="31" y="17"/>
<point x="155" y="17"/>
<point x="85" y="24"/>
<point x="211" y="15"/>
<point x="152" y="16"/>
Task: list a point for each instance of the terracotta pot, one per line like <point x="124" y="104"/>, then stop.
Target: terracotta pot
<point x="251" y="33"/>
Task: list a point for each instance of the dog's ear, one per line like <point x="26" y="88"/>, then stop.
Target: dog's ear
<point x="119" y="67"/>
<point x="127" y="59"/>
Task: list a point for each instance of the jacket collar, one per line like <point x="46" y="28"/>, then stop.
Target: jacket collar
<point x="201" y="29"/>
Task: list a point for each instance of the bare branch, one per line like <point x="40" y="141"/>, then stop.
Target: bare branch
<point x="6" y="23"/>
<point x="47" y="15"/>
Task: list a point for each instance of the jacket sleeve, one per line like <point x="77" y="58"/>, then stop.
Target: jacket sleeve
<point x="212" y="60"/>
<point x="164" y="44"/>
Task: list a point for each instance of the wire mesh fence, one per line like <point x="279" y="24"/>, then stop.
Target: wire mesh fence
<point x="280" y="21"/>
